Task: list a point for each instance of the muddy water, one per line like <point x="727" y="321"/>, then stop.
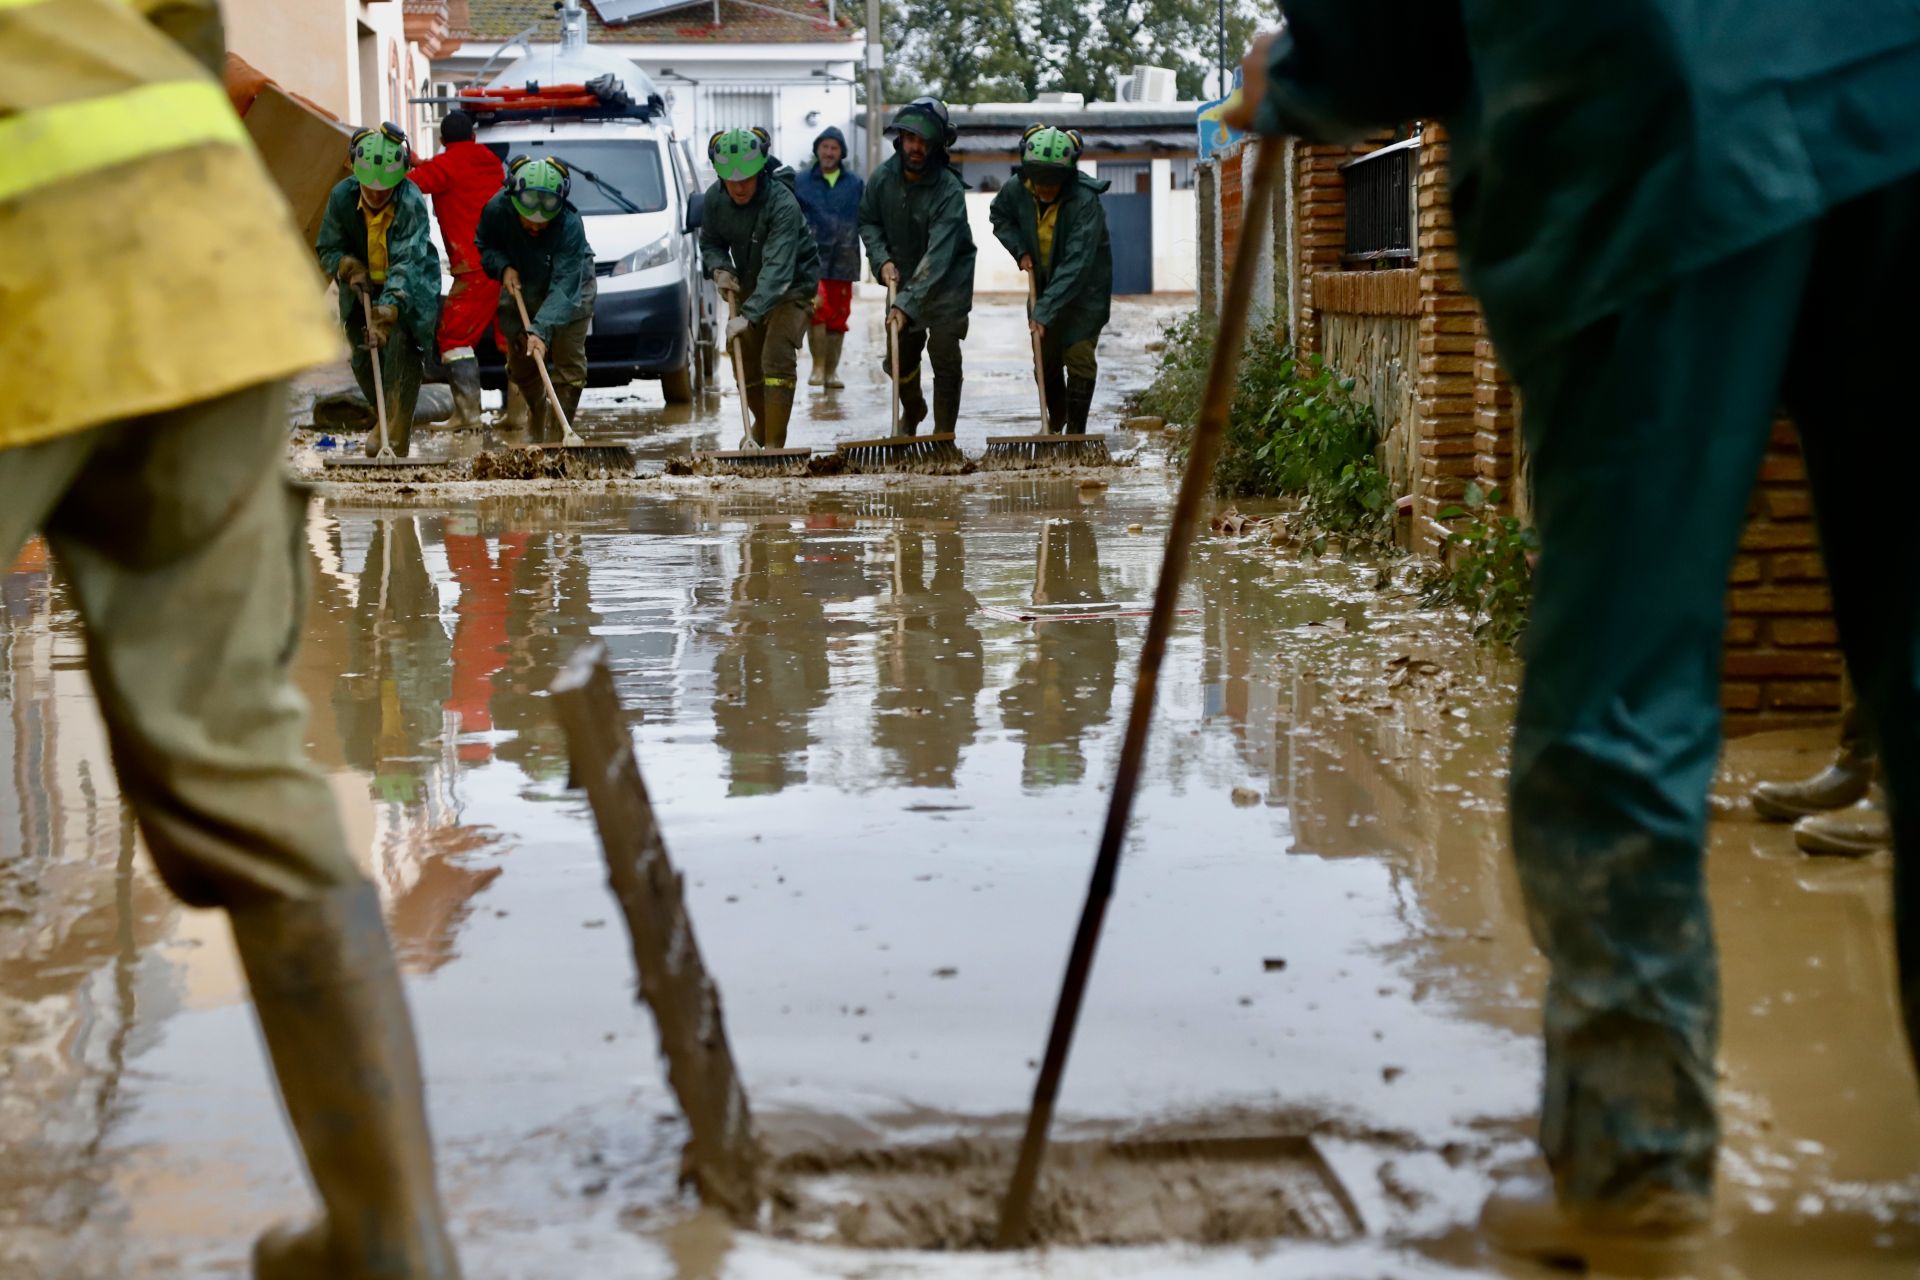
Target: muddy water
<point x="885" y="791"/>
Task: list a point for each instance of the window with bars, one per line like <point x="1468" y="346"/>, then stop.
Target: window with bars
<point x="737" y="109"/>
<point x="1380" y="194"/>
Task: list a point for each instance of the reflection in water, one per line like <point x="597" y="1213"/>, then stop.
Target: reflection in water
<point x="771" y="674"/>
<point x="928" y="659"/>
<point x="480" y="628"/>
<point x="1064" y="687"/>
<point x="549" y="616"/>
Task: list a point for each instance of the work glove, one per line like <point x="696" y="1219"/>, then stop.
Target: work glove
<point x="890" y="274"/>
<point x="380" y="328"/>
<point x="353" y="273"/>
<point x="736" y="327"/>
<point x="537" y="348"/>
<point x="726" y="282"/>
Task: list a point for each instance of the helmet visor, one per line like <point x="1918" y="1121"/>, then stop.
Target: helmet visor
<point x="536" y="204"/>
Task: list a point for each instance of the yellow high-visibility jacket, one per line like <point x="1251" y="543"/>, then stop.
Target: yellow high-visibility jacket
<point x="147" y="261"/>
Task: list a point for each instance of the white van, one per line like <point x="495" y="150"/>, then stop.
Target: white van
<point x="636" y="185"/>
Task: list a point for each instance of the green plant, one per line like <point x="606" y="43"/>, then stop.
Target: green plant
<point x="1294" y="431"/>
<point x="1488" y="568"/>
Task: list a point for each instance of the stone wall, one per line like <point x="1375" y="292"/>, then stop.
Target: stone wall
<point x="1377" y="352"/>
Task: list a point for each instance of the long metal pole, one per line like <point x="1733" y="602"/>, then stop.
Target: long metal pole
<point x="876" y="107"/>
<point x="1205" y="451"/>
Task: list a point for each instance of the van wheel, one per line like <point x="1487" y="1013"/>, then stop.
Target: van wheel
<point x="677" y="386"/>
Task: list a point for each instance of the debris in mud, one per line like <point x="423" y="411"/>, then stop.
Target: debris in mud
<point x="1273" y="964"/>
<point x="679" y="467"/>
<point x="947" y="972"/>
<point x="1144" y="423"/>
<point x="947" y="1196"/>
<point x="1136" y="528"/>
<point x="1230" y="523"/>
<point x="520" y="464"/>
<point x="1245" y="797"/>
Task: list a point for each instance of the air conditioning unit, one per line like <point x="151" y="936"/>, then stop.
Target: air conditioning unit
<point x="1150" y="84"/>
<point x="1055" y="98"/>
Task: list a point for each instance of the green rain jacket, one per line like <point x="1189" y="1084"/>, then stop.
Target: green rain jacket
<point x="766" y="242"/>
<point x="1076" y="284"/>
<point x="921" y="227"/>
<point x="1600" y="152"/>
<point x="412" y="285"/>
<point x="556" y="267"/>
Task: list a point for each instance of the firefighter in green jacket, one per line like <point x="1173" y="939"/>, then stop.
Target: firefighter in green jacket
<point x="759" y="251"/>
<point x="533" y="241"/>
<point x="913" y="221"/>
<point x="1667" y="218"/>
<point x="1052" y="223"/>
<point x="374" y="241"/>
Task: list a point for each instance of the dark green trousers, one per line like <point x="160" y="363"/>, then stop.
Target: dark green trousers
<point x="1646" y="432"/>
<point x="402" y="367"/>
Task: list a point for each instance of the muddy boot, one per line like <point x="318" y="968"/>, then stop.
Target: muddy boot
<point x="1852" y="833"/>
<point x="913" y="404"/>
<point x="570" y="403"/>
<point x="463" y="379"/>
<point x="328" y="997"/>
<point x="1662" y="1235"/>
<point x="516" y="416"/>
<point x="1842" y="783"/>
<point x="817" y="348"/>
<point x="757" y="427"/>
<point x="831" y="344"/>
<point x="779" y="409"/>
<point x="946" y="405"/>
<point x="1079" y="404"/>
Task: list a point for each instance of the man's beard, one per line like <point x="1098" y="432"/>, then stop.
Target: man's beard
<point x="917" y="164"/>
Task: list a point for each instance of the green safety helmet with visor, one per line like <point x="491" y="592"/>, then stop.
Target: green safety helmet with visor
<point x="1049" y="153"/>
<point x="738" y="154"/>
<point x="538" y="187"/>
<point x="928" y="118"/>
<point x="380" y="157"/>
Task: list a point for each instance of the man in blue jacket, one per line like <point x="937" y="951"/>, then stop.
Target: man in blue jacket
<point x="1676" y="216"/>
<point x="830" y="197"/>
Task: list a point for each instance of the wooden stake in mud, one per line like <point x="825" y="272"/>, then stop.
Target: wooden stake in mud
<point x="1205" y="451"/>
<point x="722" y="1159"/>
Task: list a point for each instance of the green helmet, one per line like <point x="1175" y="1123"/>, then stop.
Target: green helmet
<point x="1048" y="148"/>
<point x="379" y="157"/>
<point x="538" y="187"/>
<point x="737" y="154"/>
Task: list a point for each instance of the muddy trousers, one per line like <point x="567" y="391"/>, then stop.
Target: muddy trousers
<point x="941" y="343"/>
<point x="770" y="357"/>
<point x="567" y="366"/>
<point x="1068" y="375"/>
<point x="183" y="545"/>
<point x="1646" y="432"/>
<point x="403" y="367"/>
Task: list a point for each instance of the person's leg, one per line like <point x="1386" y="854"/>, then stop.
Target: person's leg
<point x="465" y="316"/>
<point x="1858" y="332"/>
<point x="33" y="479"/>
<point x="1845" y="780"/>
<point x="786" y="328"/>
<point x="1646" y="431"/>
<point x="836" y="312"/>
<point x="913" y="398"/>
<point x="182" y="543"/>
<point x="1053" y="385"/>
<point x="403" y="365"/>
<point x="754" y="389"/>
<point x="1083" y="368"/>
<point x="567" y="355"/>
<point x="943" y="352"/>
<point x="524" y="374"/>
<point x="817" y="337"/>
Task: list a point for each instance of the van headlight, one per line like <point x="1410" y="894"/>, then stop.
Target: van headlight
<point x="647" y="256"/>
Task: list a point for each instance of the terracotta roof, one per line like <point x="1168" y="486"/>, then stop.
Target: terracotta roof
<point x="739" y="23"/>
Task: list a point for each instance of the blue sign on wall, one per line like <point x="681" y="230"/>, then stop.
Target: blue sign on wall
<point x="1214" y="133"/>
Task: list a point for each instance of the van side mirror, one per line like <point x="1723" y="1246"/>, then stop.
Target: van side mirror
<point x="694" y="204"/>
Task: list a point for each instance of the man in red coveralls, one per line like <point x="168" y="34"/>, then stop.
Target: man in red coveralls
<point x="461" y="179"/>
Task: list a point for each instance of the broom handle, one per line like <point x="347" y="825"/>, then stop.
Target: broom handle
<point x="1039" y="364"/>
<point x="740" y="370"/>
<point x="893" y="362"/>
<point x="1203" y="452"/>
<point x="567" y="436"/>
<point x="379" y="378"/>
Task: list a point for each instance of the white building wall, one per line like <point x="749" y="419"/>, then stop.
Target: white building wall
<point x="1176" y="243"/>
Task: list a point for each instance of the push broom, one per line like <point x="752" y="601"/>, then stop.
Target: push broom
<point x="582" y="458"/>
<point x="384" y="459"/>
<point x="936" y="454"/>
<point x="1049" y="449"/>
<point x="1194" y="484"/>
<point x="750" y="459"/>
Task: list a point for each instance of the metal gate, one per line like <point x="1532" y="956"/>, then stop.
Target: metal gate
<point x="1130" y="227"/>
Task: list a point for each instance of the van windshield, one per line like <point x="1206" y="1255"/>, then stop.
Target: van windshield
<point x="630" y="166"/>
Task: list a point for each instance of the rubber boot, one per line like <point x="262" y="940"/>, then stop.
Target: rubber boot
<point x="1079" y="404"/>
<point x="946" y="405"/>
<point x="1842" y="783"/>
<point x="817" y="348"/>
<point x="463" y="379"/>
<point x="328" y="996"/>
<point x="831" y="345"/>
<point x="913" y="404"/>
<point x="517" y="417"/>
<point x="541" y="428"/>
<point x="570" y="402"/>
<point x="779" y="409"/>
<point x="1664" y="1234"/>
<point x="1851" y="833"/>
